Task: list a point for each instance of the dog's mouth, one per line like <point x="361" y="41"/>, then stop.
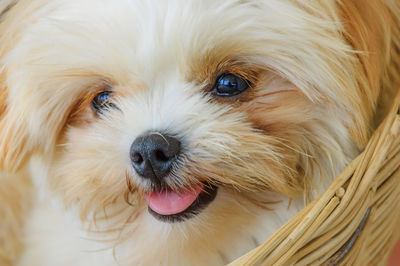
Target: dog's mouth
<point x="171" y="206"/>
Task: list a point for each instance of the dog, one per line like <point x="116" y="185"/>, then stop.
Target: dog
<point x="180" y="132"/>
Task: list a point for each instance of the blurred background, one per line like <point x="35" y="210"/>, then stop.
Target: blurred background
<point x="395" y="258"/>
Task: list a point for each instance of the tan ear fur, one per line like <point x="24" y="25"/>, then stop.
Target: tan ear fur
<point x="15" y="199"/>
<point x="13" y="145"/>
<point x="13" y="135"/>
<point x="13" y="130"/>
<point x="364" y="22"/>
<point x="3" y="96"/>
<point x="368" y="28"/>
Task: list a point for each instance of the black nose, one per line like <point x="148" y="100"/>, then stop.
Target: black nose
<point x="152" y="155"/>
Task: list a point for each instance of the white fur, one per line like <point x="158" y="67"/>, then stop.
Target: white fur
<point x="54" y="236"/>
<point x="148" y="48"/>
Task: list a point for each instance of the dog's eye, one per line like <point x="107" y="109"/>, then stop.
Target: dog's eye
<point x="230" y="85"/>
<point x="101" y="101"/>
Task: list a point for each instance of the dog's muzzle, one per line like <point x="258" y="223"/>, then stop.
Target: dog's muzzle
<point x="153" y="156"/>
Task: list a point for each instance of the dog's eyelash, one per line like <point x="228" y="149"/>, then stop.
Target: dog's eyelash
<point x="102" y="101"/>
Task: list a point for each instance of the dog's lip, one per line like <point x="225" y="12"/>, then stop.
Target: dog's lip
<point x="205" y="197"/>
<point x="169" y="202"/>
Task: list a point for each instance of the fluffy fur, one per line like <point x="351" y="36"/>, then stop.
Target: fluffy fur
<point x="68" y="192"/>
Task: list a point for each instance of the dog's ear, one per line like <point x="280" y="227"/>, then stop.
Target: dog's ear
<point x="366" y="25"/>
<point x="369" y="28"/>
<point x="14" y="146"/>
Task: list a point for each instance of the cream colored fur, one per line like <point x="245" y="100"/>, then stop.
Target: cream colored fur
<point x="318" y="69"/>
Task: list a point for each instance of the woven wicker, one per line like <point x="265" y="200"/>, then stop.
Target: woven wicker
<point x="356" y="221"/>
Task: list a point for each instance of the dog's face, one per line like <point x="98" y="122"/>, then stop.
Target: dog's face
<point x="193" y="112"/>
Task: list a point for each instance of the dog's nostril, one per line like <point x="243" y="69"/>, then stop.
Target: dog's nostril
<point x="137" y="158"/>
<point x="160" y="156"/>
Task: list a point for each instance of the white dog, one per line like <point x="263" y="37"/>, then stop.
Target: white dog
<point x="179" y="132"/>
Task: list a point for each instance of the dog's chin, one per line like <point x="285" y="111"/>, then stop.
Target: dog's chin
<point x="170" y="206"/>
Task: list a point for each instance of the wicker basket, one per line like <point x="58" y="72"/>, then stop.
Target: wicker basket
<point x="356" y="221"/>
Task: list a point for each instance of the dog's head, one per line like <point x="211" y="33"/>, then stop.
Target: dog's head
<point x="173" y="105"/>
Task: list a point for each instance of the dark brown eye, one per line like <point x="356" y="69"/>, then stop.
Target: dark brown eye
<point x="101" y="101"/>
<point x="230" y="85"/>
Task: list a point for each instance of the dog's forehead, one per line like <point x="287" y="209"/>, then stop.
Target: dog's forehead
<point x="139" y="41"/>
<point x="139" y="37"/>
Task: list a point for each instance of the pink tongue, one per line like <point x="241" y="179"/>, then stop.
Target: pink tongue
<point x="170" y="202"/>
